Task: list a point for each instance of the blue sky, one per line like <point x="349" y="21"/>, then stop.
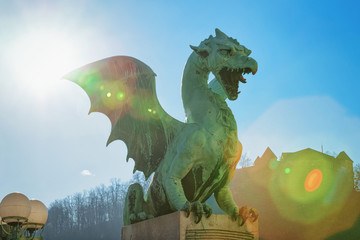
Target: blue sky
<point x="305" y="93"/>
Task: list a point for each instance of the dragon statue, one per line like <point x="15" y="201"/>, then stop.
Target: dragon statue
<point x="191" y="160"/>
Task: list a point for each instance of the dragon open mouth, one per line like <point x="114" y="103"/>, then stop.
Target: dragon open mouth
<point x="230" y="79"/>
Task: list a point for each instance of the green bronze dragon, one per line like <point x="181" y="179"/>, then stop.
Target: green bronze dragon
<point x="191" y="160"/>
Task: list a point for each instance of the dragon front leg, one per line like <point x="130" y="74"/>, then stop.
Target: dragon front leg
<point x="177" y="197"/>
<point x="183" y="162"/>
<point x="226" y="202"/>
<point x="179" y="202"/>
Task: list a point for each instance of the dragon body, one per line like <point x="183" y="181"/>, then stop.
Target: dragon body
<point x="191" y="160"/>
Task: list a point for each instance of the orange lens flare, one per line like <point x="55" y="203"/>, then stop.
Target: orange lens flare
<point x="313" y="180"/>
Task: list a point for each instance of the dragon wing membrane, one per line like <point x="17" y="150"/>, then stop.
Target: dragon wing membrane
<point x="123" y="88"/>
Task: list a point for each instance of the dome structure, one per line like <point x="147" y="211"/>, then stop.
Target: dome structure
<point x="15" y="208"/>
<point x="38" y="216"/>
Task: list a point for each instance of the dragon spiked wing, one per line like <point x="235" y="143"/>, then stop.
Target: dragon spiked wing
<point x="123" y="88"/>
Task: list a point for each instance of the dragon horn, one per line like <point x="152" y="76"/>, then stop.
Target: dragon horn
<point x="194" y="48"/>
<point x="220" y="33"/>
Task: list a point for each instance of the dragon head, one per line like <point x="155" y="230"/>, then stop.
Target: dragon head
<point x="227" y="60"/>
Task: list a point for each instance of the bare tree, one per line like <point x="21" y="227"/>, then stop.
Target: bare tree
<point x="94" y="214"/>
<point x="245" y="161"/>
<point x="357" y="177"/>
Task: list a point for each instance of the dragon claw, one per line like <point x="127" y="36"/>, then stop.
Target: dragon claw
<point x="186" y="208"/>
<point x="141" y="216"/>
<point x="207" y="209"/>
<point x="132" y="217"/>
<point x="198" y="209"/>
<point x="253" y="214"/>
<point x="245" y="213"/>
<point x="235" y="214"/>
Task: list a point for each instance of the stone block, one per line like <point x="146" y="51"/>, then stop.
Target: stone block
<point x="176" y="226"/>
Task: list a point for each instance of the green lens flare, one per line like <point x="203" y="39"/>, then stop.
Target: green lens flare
<point x="308" y="186"/>
<point x="273" y="164"/>
<point x="120" y="95"/>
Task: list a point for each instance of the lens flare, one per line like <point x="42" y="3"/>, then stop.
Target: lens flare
<point x="273" y="164"/>
<point x="309" y="186"/>
<point x="120" y="95"/>
<point x="313" y="180"/>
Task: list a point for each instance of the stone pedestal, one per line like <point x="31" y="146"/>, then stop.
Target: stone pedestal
<point x="176" y="226"/>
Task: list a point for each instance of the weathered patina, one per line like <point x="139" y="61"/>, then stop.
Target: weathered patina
<point x="191" y="160"/>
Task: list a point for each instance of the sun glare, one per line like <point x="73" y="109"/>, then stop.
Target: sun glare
<point x="40" y="58"/>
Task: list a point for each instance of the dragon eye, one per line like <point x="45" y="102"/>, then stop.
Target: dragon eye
<point x="203" y="54"/>
<point x="224" y="52"/>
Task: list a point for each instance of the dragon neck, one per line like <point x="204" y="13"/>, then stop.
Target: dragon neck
<point x="201" y="104"/>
